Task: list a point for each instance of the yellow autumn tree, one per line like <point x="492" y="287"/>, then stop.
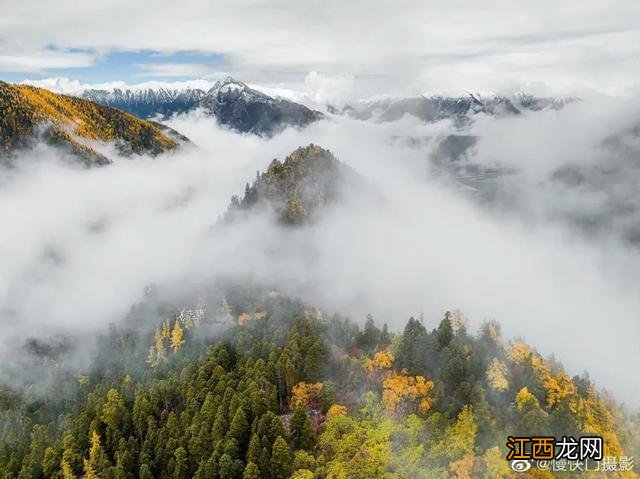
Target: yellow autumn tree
<point x="67" y="472"/>
<point x="557" y="384"/>
<point x="303" y="394"/>
<point x="157" y="351"/>
<point x="459" y="437"/>
<point x="463" y="467"/>
<point x="558" y="387"/>
<point x="519" y="352"/>
<point x="92" y="464"/>
<point x="400" y="389"/>
<point x="380" y="360"/>
<point x="596" y="419"/>
<point x="166" y="331"/>
<point x="177" y="336"/>
<point x="336" y="410"/>
<point x="458" y="321"/>
<point x="497" y="375"/>
<point x="496" y="466"/>
<point x="526" y="400"/>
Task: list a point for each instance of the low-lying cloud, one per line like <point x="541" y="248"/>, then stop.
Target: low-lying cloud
<point x="79" y="245"/>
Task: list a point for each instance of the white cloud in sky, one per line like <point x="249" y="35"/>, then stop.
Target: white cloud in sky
<point x="35" y="61"/>
<point x="177" y="70"/>
<point x="70" y="86"/>
<point x="569" y="47"/>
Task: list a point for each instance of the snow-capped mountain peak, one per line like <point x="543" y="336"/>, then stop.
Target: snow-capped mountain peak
<point x="234" y="89"/>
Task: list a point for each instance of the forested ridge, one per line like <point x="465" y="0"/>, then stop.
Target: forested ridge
<point x="240" y="381"/>
<point x="30" y="113"/>
<point x="297" y="188"/>
<point x="250" y="384"/>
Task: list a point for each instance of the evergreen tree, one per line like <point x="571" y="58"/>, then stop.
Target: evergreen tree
<point x="145" y="472"/>
<point x="302" y="434"/>
<point x="239" y="428"/>
<point x="251" y="471"/>
<point x="444" y="333"/>
<point x="254" y="450"/>
<point x="385" y="337"/>
<point x="412" y="350"/>
<point x="281" y="460"/>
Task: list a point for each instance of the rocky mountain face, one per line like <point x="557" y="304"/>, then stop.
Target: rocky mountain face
<point x="232" y="103"/>
<point x="296" y="188"/>
<point x="148" y="103"/>
<point x="30" y="114"/>
<point x="460" y="109"/>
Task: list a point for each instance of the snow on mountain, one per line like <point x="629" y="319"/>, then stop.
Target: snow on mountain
<point x="69" y="86"/>
<point x="233" y="103"/>
<point x="436" y="107"/>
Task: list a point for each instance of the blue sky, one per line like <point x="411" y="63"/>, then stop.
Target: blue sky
<point x="130" y="66"/>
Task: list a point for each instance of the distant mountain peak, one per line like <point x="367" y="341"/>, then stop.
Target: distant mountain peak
<point x="235" y="88"/>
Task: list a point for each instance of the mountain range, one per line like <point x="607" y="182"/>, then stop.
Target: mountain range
<point x="460" y="108"/>
<point x="232" y="103"/>
<point x="247" y="110"/>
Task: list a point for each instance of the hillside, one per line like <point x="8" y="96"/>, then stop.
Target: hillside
<point x="250" y="384"/>
<point x="240" y="381"/>
<point x="233" y="104"/>
<point x="148" y="103"/>
<point x="296" y="188"/>
<point x="30" y="114"/>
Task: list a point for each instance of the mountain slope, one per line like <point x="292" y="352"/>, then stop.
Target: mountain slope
<point x="231" y="102"/>
<point x="236" y="105"/>
<point x="287" y="391"/>
<point x="30" y="113"/>
<point x="148" y="102"/>
<point x="296" y="188"/>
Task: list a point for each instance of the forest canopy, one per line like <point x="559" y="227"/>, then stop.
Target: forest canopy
<point x="253" y="384"/>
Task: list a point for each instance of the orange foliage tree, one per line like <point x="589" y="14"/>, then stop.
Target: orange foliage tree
<point x="401" y="392"/>
<point x="304" y="395"/>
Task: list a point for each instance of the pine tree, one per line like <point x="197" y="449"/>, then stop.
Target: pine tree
<point x="239" y="428"/>
<point x="302" y="434"/>
<point x="281" y="459"/>
<point x="251" y="471"/>
<point x="385" y="337"/>
<point x="113" y="415"/>
<point x="181" y="466"/>
<point x="95" y="464"/>
<point x="444" y="333"/>
<point x="227" y="469"/>
<point x="145" y="472"/>
<point x="50" y="462"/>
<point x="412" y="350"/>
<point x="254" y="450"/>
<point x="219" y="427"/>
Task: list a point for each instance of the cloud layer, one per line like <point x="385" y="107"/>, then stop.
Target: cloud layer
<point x="80" y="245"/>
<point x="410" y="46"/>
